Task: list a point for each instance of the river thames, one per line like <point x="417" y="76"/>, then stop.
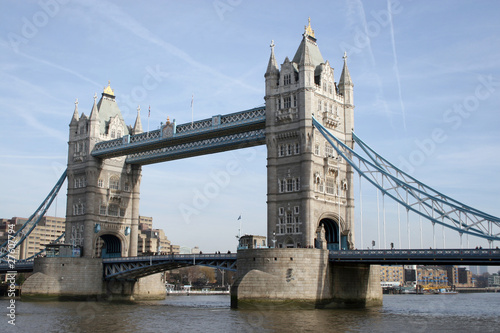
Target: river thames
<point x="400" y="313"/>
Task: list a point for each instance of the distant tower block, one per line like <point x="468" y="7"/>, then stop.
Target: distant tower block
<point x="309" y="186"/>
<point x="102" y="211"/>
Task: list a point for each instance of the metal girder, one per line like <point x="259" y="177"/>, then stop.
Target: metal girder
<point x="216" y="144"/>
<point x="17" y="238"/>
<point x="418" y="257"/>
<point x="130" y="268"/>
<point x="185" y="136"/>
<point x="413" y="194"/>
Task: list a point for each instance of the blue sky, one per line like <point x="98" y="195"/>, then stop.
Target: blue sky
<point x="430" y="65"/>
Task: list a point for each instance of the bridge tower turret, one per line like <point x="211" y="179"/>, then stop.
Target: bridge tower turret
<point x="309" y="186"/>
<point x="102" y="212"/>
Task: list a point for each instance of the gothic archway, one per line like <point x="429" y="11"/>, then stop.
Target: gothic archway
<point x="108" y="246"/>
<point x="331" y="233"/>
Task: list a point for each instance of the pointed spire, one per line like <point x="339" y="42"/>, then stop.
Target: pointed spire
<point x="75" y="114"/>
<point x="93" y="113"/>
<point x="138" y="125"/>
<point x="272" y="67"/>
<point x="305" y="57"/>
<point x="308" y="52"/>
<point x="345" y="77"/>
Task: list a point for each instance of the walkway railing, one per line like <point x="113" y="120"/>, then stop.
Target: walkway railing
<point x="233" y="123"/>
<point x="419" y="257"/>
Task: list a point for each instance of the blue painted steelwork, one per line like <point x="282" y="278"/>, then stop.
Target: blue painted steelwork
<point x="390" y="168"/>
<point x="434" y="208"/>
<point x="132" y="268"/>
<point x="19" y="267"/>
<point x="418" y="257"/>
<point x="40" y="252"/>
<point x="17" y="238"/>
<point x="201" y="147"/>
<point x="247" y="127"/>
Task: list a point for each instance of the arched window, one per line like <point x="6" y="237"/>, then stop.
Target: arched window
<point x="113" y="210"/>
<point x="114" y="183"/>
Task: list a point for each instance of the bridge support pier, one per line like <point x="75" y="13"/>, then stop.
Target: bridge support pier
<point x="82" y="278"/>
<point x="299" y="277"/>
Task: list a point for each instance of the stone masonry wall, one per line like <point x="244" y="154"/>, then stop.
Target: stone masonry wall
<point x="292" y="274"/>
<point x="65" y="277"/>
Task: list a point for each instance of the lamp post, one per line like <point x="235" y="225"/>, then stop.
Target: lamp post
<point x="274" y="239"/>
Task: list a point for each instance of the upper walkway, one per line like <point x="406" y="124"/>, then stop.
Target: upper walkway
<point x="219" y="133"/>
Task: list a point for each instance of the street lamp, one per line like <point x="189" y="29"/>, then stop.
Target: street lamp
<point x="274" y="239"/>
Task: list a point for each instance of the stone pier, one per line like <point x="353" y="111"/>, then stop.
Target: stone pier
<point x="298" y="277"/>
<point x="82" y="278"/>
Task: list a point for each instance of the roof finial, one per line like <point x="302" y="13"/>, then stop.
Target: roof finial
<point x="272" y="45"/>
<point x="76" y="103"/>
<point x="95" y="97"/>
<point x="308" y="30"/>
<point x="108" y="90"/>
<point x="345" y="56"/>
<point x="138" y="108"/>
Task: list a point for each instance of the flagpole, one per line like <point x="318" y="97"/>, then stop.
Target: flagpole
<point x="192" y="114"/>
<point x="239" y="218"/>
<point x="149" y="114"/>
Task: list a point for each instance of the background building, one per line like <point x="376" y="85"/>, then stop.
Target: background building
<point x="252" y="242"/>
<point x="392" y="274"/>
<point x="153" y="241"/>
<point x="494" y="280"/>
<point x="48" y="230"/>
<point x="428" y="277"/>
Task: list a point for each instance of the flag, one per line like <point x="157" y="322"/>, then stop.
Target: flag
<point x="239" y="218"/>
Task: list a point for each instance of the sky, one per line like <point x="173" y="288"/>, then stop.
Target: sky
<point x="426" y="92"/>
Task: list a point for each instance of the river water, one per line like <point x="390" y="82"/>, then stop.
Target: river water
<point x="400" y="313"/>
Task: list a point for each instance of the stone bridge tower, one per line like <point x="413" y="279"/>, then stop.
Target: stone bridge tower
<point x="309" y="186"/>
<point x="102" y="211"/>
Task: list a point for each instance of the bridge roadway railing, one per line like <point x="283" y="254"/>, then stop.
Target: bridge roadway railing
<point x="18" y="267"/>
<point x="419" y="257"/>
<point x="128" y="268"/>
<point x="219" y="125"/>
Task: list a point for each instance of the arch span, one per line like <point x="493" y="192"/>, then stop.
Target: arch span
<point x="331" y="227"/>
<point x="108" y="246"/>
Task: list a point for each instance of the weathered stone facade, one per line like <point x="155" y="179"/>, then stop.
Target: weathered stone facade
<point x="102" y="211"/>
<point x="82" y="278"/>
<point x="309" y="186"/>
<point x="302" y="278"/>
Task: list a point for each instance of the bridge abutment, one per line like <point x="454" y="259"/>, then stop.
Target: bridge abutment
<point x="302" y="277"/>
<point x="82" y="278"/>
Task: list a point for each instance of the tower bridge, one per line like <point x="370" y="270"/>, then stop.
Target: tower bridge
<point x="307" y="125"/>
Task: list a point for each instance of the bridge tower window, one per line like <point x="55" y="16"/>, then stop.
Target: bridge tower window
<point x="330" y="185"/>
<point x="316" y="149"/>
<point x="287" y="102"/>
<point x="113" y="210"/>
<point x="287" y="79"/>
<point x="114" y="183"/>
<point x="281" y="150"/>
